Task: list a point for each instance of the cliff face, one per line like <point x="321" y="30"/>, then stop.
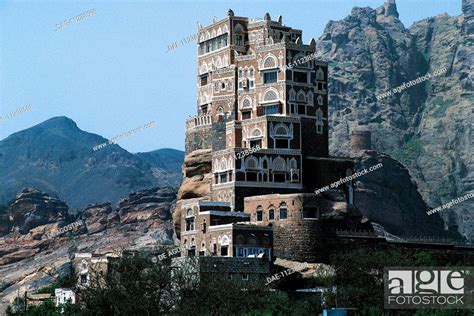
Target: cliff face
<point x="31" y="259"/>
<point x="36" y="219"/>
<point x="33" y="208"/>
<point x="387" y="196"/>
<point x="427" y="127"/>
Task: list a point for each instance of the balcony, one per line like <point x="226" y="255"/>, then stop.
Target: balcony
<point x="198" y="121"/>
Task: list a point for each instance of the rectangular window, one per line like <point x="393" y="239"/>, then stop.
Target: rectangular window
<point x="83" y="278"/>
<point x="281" y="143"/>
<point x="270" y="77"/>
<point x="201" y="253"/>
<point x="208" y="47"/>
<point x="201" y="48"/>
<point x="223" y="178"/>
<point x="259" y="216"/>
<point x="224" y="251"/>
<point x="255" y="143"/>
<point x="319" y="128"/>
<point x="225" y="39"/>
<point x="213" y="44"/>
<point x="283" y="213"/>
<point x="273" y="109"/>
<point x="251" y="83"/>
<point x="271" y="214"/>
<point x="189" y="224"/>
<point x="246" y="115"/>
<point x="204" y="80"/>
<point x="240" y="85"/>
<point x="301" y="77"/>
<point x="238" y="40"/>
<point x="191" y="252"/>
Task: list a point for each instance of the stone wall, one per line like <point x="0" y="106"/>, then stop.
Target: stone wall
<point x="198" y="138"/>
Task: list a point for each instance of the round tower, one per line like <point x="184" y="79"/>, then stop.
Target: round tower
<point x="361" y="140"/>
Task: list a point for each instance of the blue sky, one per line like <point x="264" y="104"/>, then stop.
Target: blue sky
<point x="110" y="72"/>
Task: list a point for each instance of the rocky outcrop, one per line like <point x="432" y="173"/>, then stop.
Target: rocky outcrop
<point x="33" y="208"/>
<point x="428" y="126"/>
<point x="388" y="196"/>
<point x="196" y="185"/>
<point x="149" y="206"/>
<point x="98" y="217"/>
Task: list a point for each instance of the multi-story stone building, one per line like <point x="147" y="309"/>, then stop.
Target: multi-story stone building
<point x="254" y="89"/>
<point x="262" y="108"/>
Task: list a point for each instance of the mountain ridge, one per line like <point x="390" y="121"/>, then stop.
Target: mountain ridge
<point x="56" y="156"/>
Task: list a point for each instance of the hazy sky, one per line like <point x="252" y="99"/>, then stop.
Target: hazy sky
<point x="110" y="72"/>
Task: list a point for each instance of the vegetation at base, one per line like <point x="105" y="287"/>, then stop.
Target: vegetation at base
<point x="138" y="284"/>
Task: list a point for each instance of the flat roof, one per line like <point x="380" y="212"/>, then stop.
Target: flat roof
<point x="225" y="213"/>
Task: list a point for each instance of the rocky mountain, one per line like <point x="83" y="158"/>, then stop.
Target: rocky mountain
<point x="166" y="164"/>
<point x="428" y="127"/>
<point x="57" y="157"/>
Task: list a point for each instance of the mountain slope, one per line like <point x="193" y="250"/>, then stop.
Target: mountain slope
<point x="57" y="157"/>
<point x="428" y="126"/>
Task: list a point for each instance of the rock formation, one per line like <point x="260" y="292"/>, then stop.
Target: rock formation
<point x="33" y="208"/>
<point x="389" y="197"/>
<point x="428" y="126"/>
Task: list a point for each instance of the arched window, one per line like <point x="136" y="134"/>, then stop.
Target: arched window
<point x="319" y="121"/>
<point x="247" y="103"/>
<point x="283" y="211"/>
<point x="293" y="164"/>
<point x="270" y="95"/>
<point x="256" y="132"/>
<point x="219" y="31"/>
<point x="269" y="62"/>
<point x="259" y="213"/>
<point x="310" y="98"/>
<point x="189" y="220"/>
<point x="319" y="74"/>
<point x="281" y="130"/>
<point x="226" y="30"/>
<point x="320" y="100"/>
<point x="223" y="164"/>
<point x="271" y="214"/>
<point x="279" y="164"/>
<point x="319" y="115"/>
<point x="292" y="95"/>
<point x="251" y="163"/>
<point x="282" y="136"/>
<point x="301" y="96"/>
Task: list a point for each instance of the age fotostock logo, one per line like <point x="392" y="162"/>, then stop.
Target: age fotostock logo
<point x="428" y="287"/>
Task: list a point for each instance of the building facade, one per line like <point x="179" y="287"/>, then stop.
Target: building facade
<point x="262" y="112"/>
<point x="259" y="87"/>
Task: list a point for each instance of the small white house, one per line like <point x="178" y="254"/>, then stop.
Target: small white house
<point x="64" y="296"/>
